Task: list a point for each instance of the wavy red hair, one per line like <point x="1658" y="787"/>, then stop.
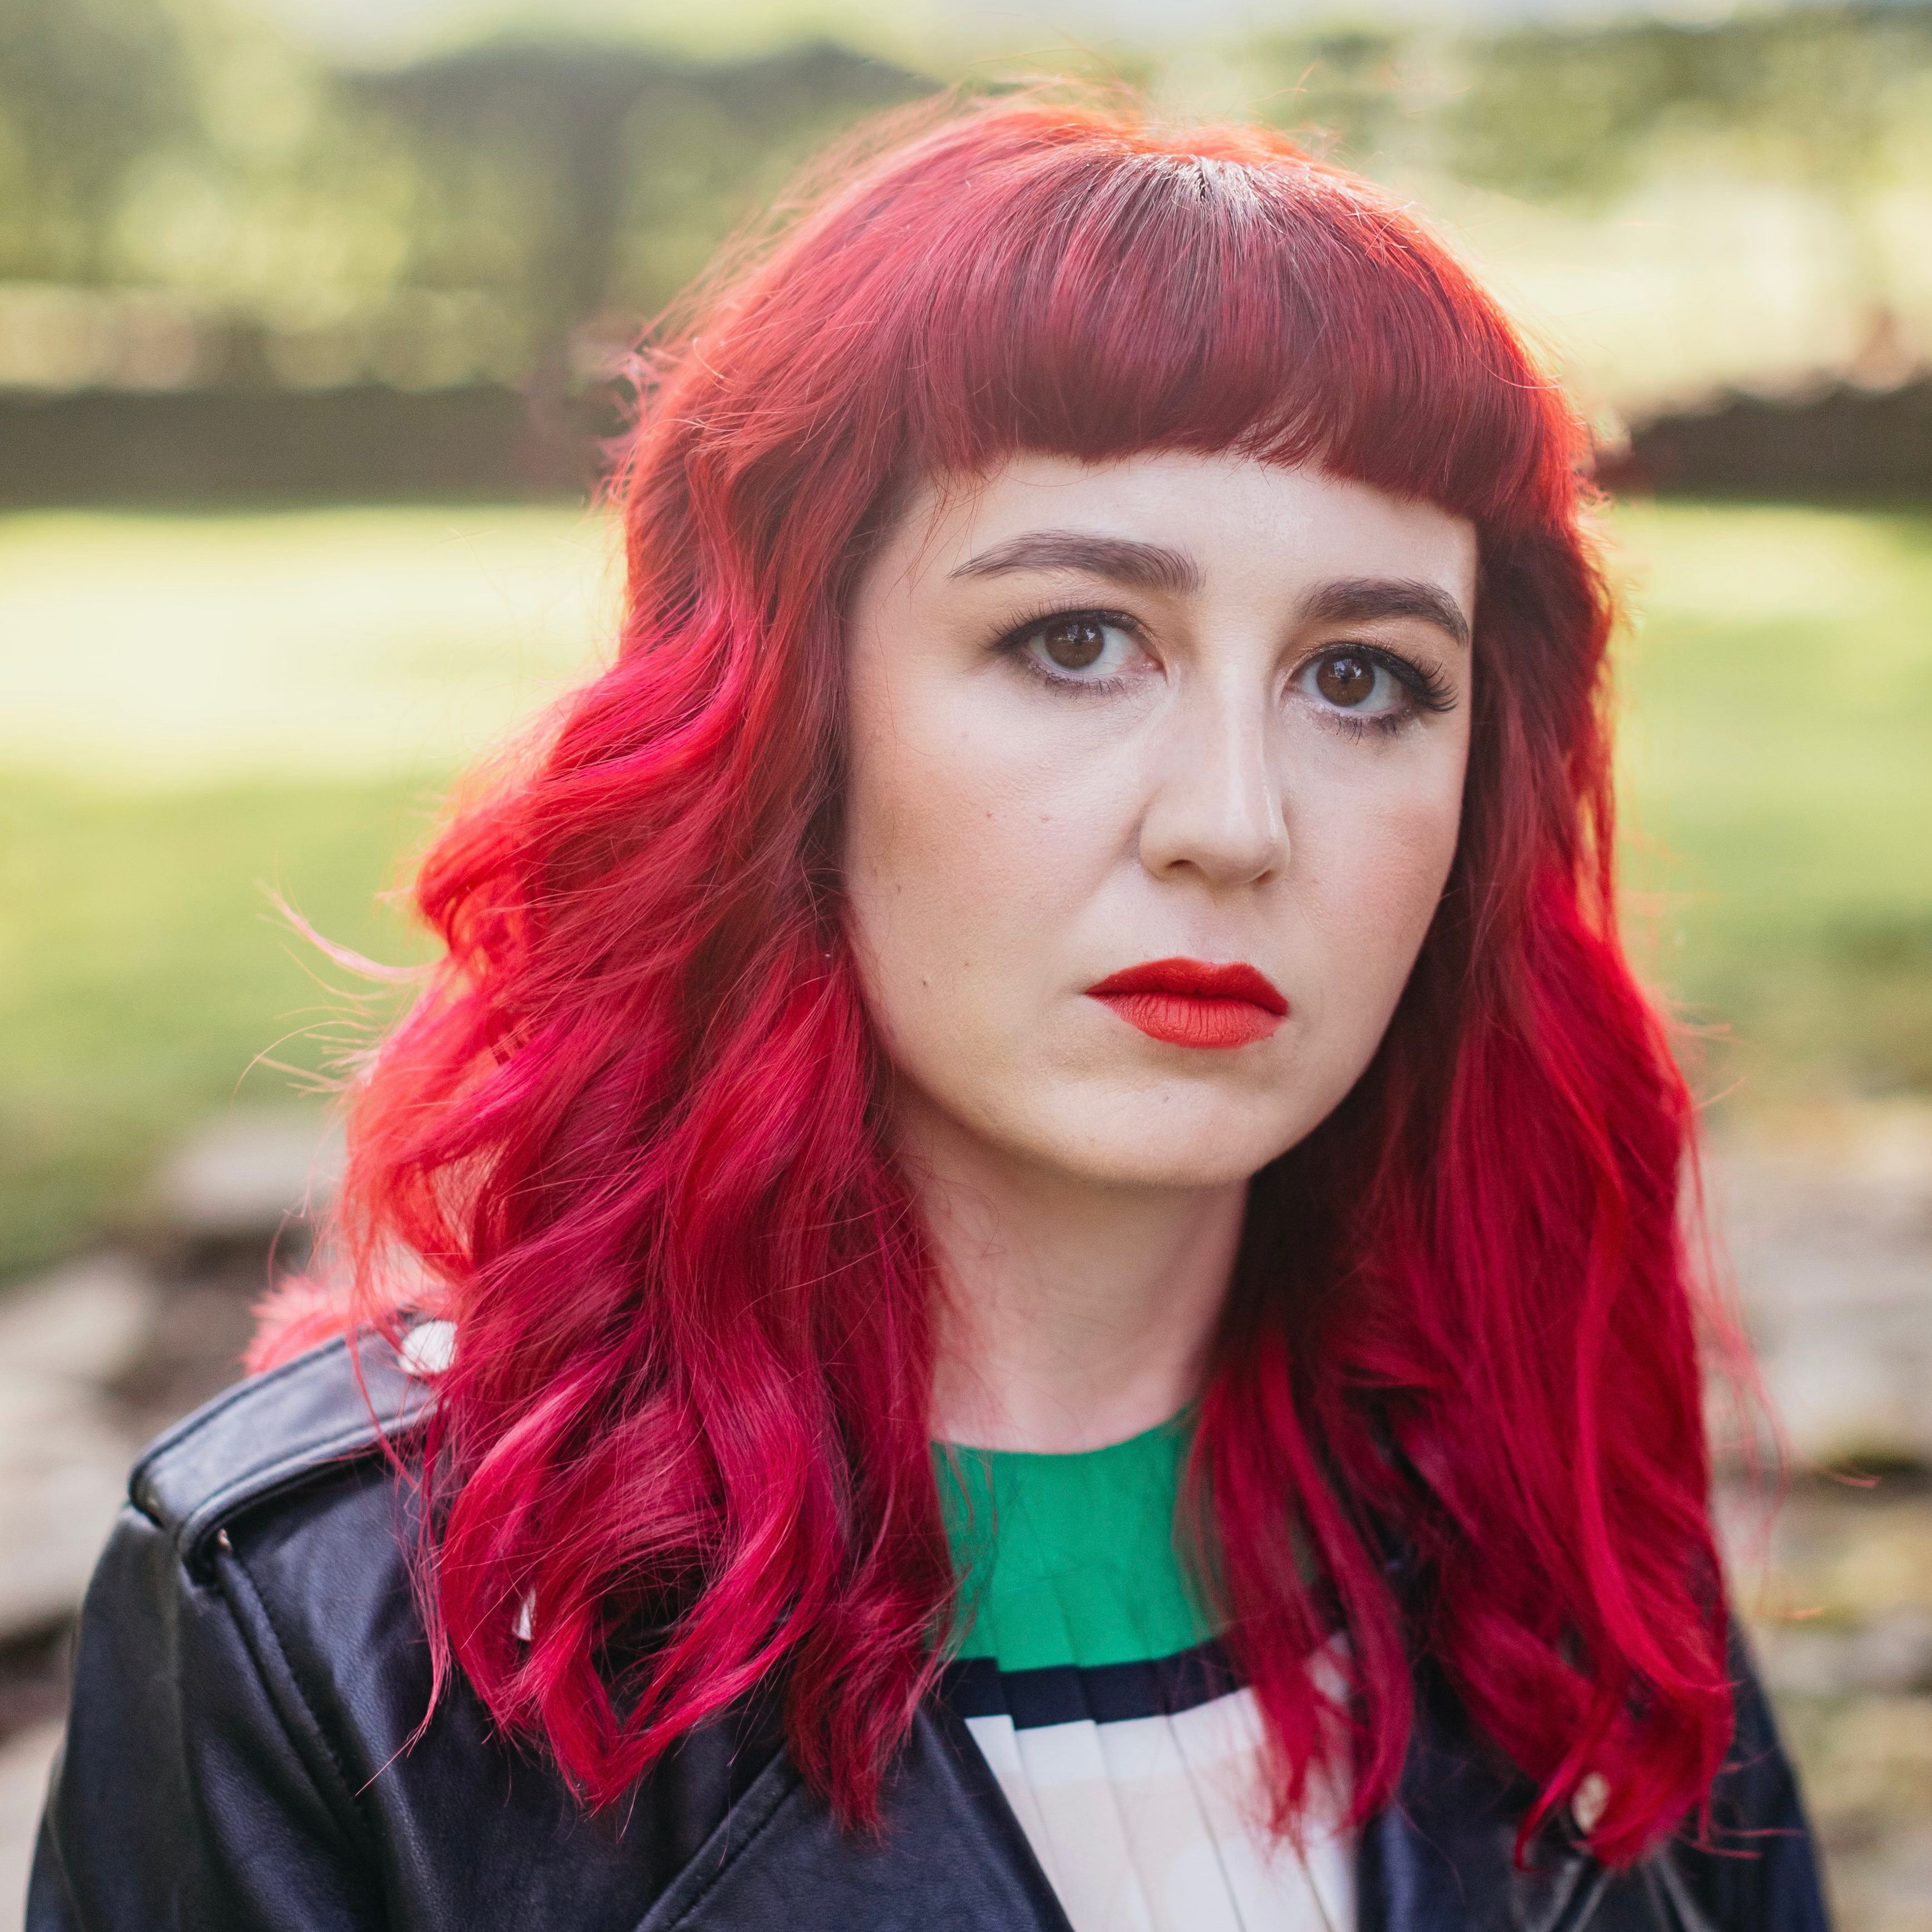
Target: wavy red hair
<point x="634" y="1129"/>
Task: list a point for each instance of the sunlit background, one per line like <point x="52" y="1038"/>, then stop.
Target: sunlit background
<point x="312" y="315"/>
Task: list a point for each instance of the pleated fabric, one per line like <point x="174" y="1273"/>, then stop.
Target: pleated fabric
<point x="1085" y="1671"/>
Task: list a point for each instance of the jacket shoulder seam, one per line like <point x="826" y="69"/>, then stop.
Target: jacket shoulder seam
<point x="337" y="1404"/>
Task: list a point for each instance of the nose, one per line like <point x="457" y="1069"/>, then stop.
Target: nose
<point x="1215" y="808"/>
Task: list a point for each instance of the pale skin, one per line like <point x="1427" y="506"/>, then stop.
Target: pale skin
<point x="1171" y="706"/>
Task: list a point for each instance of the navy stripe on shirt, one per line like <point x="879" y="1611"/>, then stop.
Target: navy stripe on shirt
<point x="1108" y="1693"/>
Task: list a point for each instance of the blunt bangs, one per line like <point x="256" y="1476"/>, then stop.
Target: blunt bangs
<point x="1094" y="304"/>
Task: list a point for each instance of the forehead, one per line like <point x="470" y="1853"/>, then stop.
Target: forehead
<point x="1238" y="520"/>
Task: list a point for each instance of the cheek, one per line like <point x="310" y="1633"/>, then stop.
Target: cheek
<point x="931" y="829"/>
<point x="1371" y="863"/>
<point x="967" y="849"/>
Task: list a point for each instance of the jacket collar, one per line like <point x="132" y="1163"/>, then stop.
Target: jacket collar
<point x="951" y="1857"/>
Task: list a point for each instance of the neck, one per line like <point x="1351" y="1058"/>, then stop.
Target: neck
<point x="1072" y="1313"/>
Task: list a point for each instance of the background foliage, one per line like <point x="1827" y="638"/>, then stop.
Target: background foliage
<point x="518" y="205"/>
<point x="204" y="701"/>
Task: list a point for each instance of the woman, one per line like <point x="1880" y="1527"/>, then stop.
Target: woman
<point x="1046" y="1211"/>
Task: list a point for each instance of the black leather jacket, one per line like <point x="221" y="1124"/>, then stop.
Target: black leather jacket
<point x="251" y="1671"/>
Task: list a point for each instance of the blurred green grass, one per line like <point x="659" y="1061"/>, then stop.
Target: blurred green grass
<point x="144" y="973"/>
<point x="203" y="710"/>
<point x="1776" y="786"/>
<point x="204" y="707"/>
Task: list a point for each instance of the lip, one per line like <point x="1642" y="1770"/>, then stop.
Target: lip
<point x="1192" y="1003"/>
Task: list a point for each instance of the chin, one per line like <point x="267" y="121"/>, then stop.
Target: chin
<point x="1182" y="1171"/>
<point x="1163" y="1139"/>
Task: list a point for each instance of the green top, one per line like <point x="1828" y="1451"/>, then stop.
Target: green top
<point x="1070" y="1559"/>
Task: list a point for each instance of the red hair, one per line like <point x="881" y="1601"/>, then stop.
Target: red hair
<point x="634" y="1129"/>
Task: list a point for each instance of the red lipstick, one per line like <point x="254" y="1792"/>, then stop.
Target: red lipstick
<point x="1189" y="1003"/>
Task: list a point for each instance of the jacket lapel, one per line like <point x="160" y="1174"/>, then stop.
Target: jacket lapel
<point x="950" y="1855"/>
<point x="1442" y="1857"/>
<point x="1439" y="1874"/>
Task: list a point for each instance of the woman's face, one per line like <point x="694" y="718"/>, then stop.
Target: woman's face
<point x="1114" y="724"/>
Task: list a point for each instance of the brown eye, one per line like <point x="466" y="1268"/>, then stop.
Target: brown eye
<point x="1090" y="648"/>
<point x="1345" y="679"/>
<point x="1074" y="643"/>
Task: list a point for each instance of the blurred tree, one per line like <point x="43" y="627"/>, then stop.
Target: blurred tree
<point x="1825" y="98"/>
<point x="522" y="205"/>
<point x="87" y="88"/>
<point x="280" y="206"/>
<point x="1814" y="93"/>
<point x="587" y="181"/>
<point x="1350" y="94"/>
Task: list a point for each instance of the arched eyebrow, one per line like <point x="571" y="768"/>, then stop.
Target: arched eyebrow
<point x="1141" y="566"/>
<point x="1354" y="599"/>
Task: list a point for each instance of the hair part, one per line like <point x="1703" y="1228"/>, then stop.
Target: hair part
<point x="634" y="1129"/>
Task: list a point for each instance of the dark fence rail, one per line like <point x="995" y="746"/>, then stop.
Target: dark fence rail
<point x="263" y="445"/>
<point x="254" y="444"/>
<point x="1839" y="441"/>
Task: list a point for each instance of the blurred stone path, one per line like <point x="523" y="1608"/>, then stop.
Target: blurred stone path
<point x="1844" y="1637"/>
<point x="1828" y="1222"/>
<point x="97" y="1357"/>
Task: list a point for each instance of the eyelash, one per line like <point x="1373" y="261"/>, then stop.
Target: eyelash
<point x="1429" y="690"/>
<point x="1012" y="644"/>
